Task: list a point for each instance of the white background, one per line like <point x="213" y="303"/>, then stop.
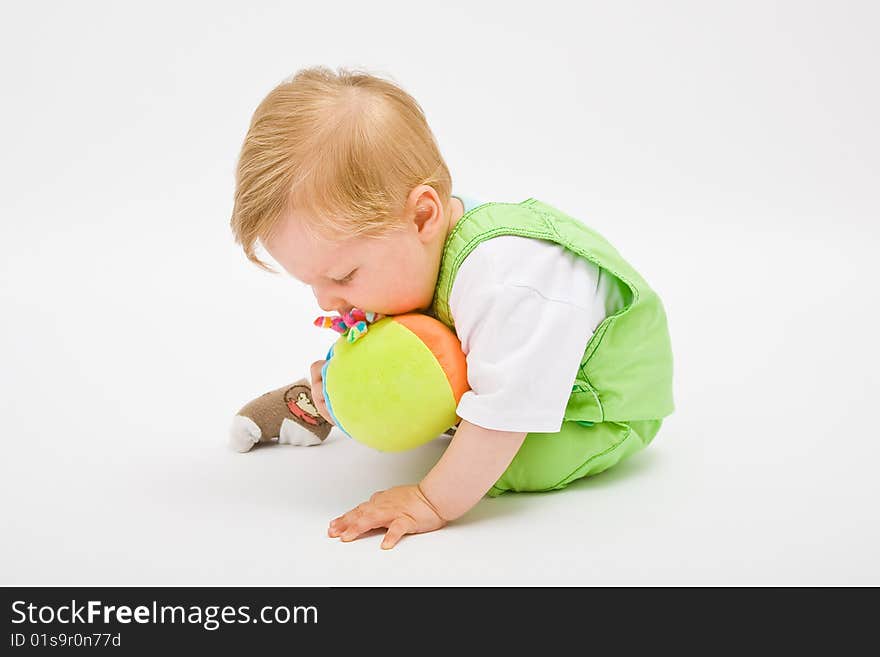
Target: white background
<point x="728" y="149"/>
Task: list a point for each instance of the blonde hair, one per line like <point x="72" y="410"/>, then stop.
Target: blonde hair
<point x="346" y="146"/>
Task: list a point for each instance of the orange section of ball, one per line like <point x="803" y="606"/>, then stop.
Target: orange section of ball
<point x="445" y="346"/>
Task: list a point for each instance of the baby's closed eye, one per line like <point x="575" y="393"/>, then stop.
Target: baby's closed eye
<point x="345" y="279"/>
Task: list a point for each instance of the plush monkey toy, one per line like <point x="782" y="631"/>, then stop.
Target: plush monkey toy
<point x="286" y="415"/>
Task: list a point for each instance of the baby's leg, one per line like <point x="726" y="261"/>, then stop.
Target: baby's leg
<point x="549" y="461"/>
<point x="287" y="414"/>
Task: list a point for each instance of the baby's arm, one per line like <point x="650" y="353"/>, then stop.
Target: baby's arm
<point x="475" y="459"/>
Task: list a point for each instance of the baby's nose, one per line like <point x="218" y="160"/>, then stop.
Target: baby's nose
<point x="328" y="303"/>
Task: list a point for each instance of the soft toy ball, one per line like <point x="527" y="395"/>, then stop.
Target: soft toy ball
<point x="394" y="384"/>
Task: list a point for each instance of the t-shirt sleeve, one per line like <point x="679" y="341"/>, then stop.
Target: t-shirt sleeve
<point x="523" y="349"/>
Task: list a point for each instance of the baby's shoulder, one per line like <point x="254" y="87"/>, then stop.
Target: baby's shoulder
<point x="514" y="262"/>
<point x="512" y="257"/>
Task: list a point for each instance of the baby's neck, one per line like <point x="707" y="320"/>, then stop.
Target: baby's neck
<point x="456" y="210"/>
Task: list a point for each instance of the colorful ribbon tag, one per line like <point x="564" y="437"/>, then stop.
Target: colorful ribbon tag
<point x="352" y="324"/>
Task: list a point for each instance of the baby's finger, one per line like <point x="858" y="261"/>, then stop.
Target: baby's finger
<point x="364" y="523"/>
<point x="315" y="370"/>
<point x="341" y="523"/>
<point x="336" y="527"/>
<point x="321" y="405"/>
<point x="396" y="531"/>
<point x="317" y="388"/>
<point x="320" y="402"/>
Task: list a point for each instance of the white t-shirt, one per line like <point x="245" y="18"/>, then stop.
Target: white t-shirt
<point x="524" y="310"/>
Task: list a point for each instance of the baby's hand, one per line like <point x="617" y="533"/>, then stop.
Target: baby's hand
<point x="318" y="391"/>
<point x="402" y="509"/>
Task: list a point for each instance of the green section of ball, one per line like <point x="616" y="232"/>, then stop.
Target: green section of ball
<point x="387" y="389"/>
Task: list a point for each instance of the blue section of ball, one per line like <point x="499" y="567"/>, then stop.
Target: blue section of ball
<point x="326" y="397"/>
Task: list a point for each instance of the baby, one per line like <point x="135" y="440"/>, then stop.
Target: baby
<point x="569" y="360"/>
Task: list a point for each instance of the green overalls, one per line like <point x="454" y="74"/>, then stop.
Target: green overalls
<point x="623" y="388"/>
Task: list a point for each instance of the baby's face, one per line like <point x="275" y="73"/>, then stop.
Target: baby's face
<point x="390" y="275"/>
